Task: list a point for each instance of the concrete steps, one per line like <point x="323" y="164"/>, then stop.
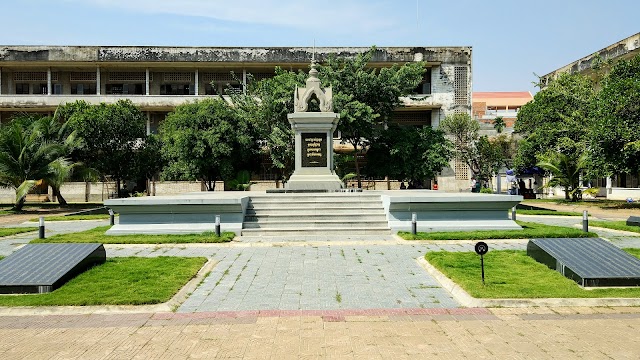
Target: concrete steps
<point x="315" y="214"/>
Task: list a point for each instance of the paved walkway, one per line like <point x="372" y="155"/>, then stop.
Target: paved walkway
<point x="353" y="297"/>
<point x="543" y="333"/>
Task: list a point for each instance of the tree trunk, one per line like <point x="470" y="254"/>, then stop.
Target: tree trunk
<point x="355" y="160"/>
<point x="19" y="204"/>
<point x="56" y="193"/>
<point x="566" y="193"/>
<point x="118" y="188"/>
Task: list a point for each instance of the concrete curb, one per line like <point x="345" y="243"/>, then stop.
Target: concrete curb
<point x="466" y="300"/>
<point x="169" y="306"/>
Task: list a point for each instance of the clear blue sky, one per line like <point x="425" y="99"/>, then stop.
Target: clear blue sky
<point x="511" y="40"/>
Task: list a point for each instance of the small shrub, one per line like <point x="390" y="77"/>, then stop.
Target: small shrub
<point x="486" y="191"/>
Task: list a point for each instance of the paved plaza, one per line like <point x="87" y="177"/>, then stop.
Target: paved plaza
<point x="349" y="297"/>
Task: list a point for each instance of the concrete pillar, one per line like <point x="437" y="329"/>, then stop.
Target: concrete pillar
<point x="146" y="84"/>
<point x="498" y="183"/>
<point x="0" y="81"/>
<point x="609" y="185"/>
<point x="98" y="80"/>
<point x="48" y="81"/>
<point x="197" y="81"/>
<point x="148" y="123"/>
<point x="244" y="81"/>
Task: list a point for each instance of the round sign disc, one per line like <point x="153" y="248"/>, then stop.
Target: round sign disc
<point x="482" y="248"/>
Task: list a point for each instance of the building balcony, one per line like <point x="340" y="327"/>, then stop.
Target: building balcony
<point x="428" y="101"/>
<point x="51" y="102"/>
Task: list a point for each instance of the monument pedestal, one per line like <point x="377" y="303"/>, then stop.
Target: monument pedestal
<point x="314" y="151"/>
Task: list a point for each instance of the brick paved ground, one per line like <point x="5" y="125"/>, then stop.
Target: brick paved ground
<point x="543" y="333"/>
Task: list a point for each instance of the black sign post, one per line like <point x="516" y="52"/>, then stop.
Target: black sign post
<point x="481" y="249"/>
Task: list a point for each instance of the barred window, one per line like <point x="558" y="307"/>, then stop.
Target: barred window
<point x="129" y="76"/>
<point x="33" y="76"/>
<point x="223" y="76"/>
<point x="178" y="77"/>
<point x="461" y="96"/>
<point x="416" y="118"/>
<point x="461" y="170"/>
<point x="83" y="76"/>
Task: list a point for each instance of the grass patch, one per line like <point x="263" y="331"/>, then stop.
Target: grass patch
<point x="513" y="274"/>
<point x="547" y="212"/>
<point x="97" y="235"/>
<point x="601" y="203"/>
<point x="529" y="230"/>
<point x="119" y="281"/>
<point x="15" y="230"/>
<point x="616" y="225"/>
<point x="74" y="217"/>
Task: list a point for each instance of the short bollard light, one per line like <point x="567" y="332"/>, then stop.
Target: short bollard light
<point x="112" y="217"/>
<point x="217" y="225"/>
<point x="481" y="249"/>
<point x="585" y="221"/>
<point x="41" y="228"/>
<point x="513" y="213"/>
<point x="414" y="223"/>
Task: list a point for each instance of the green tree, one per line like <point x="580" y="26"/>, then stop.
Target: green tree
<point x="565" y="170"/>
<point x="499" y="124"/>
<point x="266" y="105"/>
<point x="409" y="153"/>
<point x="111" y="134"/>
<point x="557" y="120"/>
<point x="26" y="158"/>
<point x="366" y="97"/>
<point x="207" y="141"/>
<point x="615" y="134"/>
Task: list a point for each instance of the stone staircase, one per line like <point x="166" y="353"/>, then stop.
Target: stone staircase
<point x="315" y="214"/>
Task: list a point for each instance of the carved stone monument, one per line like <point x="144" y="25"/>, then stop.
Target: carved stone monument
<point x="314" y="168"/>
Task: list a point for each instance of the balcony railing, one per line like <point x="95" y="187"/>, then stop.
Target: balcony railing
<point x="145" y="102"/>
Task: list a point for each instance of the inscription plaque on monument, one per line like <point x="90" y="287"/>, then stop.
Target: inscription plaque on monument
<point x="314" y="149"/>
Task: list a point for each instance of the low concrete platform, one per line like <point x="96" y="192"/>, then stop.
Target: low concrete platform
<point x="195" y="212"/>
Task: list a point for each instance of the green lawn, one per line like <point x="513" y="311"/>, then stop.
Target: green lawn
<point x="74" y="217"/>
<point x="547" y="212"/>
<point x="601" y="203"/>
<point x="15" y="230"/>
<point x="97" y="235"/>
<point x="513" y="274"/>
<point x="616" y="225"/>
<point x="119" y="281"/>
<point x="529" y="230"/>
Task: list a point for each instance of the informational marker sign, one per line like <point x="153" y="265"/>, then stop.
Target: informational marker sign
<point x="481" y="249"/>
<point x="314" y="149"/>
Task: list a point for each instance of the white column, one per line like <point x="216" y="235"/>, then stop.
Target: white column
<point x="197" y="78"/>
<point x="146" y="84"/>
<point x="0" y="81"/>
<point x="98" y="80"/>
<point x="48" y="81"/>
<point x="609" y="185"/>
<point x="244" y="81"/>
<point x="148" y="123"/>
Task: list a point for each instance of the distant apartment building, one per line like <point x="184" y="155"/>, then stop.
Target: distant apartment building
<point x="619" y="186"/>
<point x="489" y="105"/>
<point x="37" y="79"/>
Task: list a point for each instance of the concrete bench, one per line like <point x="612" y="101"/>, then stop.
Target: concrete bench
<point x="633" y="221"/>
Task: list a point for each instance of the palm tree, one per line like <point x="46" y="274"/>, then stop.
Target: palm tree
<point x="26" y="158"/>
<point x="499" y="124"/>
<point x="566" y="171"/>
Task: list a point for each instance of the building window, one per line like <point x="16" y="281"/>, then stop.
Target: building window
<point x="83" y="89"/>
<point x="125" y="89"/>
<point x="22" y="89"/>
<point x="176" y="89"/>
<point x="461" y="170"/>
<point x="40" y="89"/>
<point x="424" y="88"/>
<point x="210" y="89"/>
<point x="414" y="118"/>
<point x="461" y="96"/>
